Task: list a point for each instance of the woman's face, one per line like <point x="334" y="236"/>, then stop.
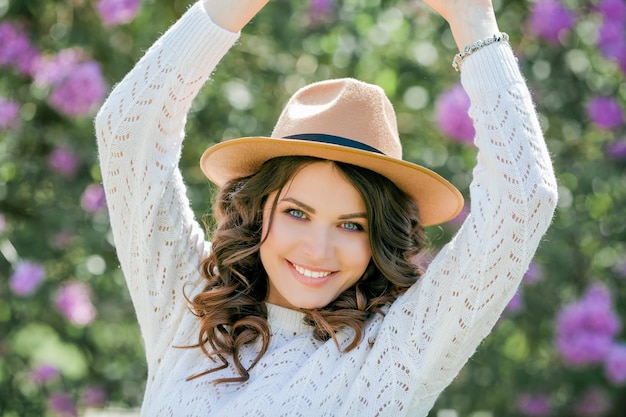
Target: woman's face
<point x="318" y="243"/>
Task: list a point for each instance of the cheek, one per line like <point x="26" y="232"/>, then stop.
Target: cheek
<point x="359" y="253"/>
<point x="280" y="237"/>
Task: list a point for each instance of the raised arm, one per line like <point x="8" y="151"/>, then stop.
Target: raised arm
<point x="436" y="326"/>
<point x="140" y="129"/>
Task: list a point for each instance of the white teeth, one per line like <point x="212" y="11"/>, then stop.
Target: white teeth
<point x="311" y="274"/>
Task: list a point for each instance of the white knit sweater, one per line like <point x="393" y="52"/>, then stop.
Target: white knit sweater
<point x="406" y="358"/>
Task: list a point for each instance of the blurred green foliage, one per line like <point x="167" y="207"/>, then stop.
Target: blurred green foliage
<point x="399" y="45"/>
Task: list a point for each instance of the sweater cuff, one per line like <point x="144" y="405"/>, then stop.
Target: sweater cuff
<point x="489" y="69"/>
<point x="199" y="39"/>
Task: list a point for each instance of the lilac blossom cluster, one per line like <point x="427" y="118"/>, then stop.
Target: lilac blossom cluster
<point x="592" y="402"/>
<point x="73" y="300"/>
<point x="76" y="83"/>
<point x="586" y="331"/>
<point x="606" y="113"/>
<point x="585" y="335"/>
<point x="93" y="199"/>
<point x="9" y="114"/>
<point x="612" y="32"/>
<point x="616" y="150"/>
<point x="60" y="402"/>
<point x="16" y="50"/>
<point x="116" y="12"/>
<point x="550" y="20"/>
<point x="451" y="115"/>
<point x="320" y="11"/>
<point x="26" y="278"/>
<point x="63" y="161"/>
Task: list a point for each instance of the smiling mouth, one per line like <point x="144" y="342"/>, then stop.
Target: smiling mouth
<point x="311" y="274"/>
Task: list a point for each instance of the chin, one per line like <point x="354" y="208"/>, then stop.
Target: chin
<point x="311" y="304"/>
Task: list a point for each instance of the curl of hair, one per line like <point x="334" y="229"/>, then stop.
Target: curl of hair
<point x="231" y="307"/>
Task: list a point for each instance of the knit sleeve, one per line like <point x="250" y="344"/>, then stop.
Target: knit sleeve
<point x="140" y="129"/>
<point x="431" y="331"/>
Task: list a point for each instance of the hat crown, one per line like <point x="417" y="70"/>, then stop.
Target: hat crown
<point x="345" y="107"/>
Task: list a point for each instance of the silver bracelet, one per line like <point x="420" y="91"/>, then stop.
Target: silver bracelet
<point x="471" y="48"/>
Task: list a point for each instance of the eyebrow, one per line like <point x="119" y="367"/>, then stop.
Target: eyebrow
<point x="312" y="210"/>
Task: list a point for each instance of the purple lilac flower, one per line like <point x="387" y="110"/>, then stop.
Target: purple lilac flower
<point x="63" y="161"/>
<point x="593" y="403"/>
<point x="617" y="150"/>
<point x="115" y="12"/>
<point x="16" y="49"/>
<point x="13" y="41"/>
<point x="79" y="93"/>
<point x="77" y="82"/>
<point x="451" y="114"/>
<point x="615" y="364"/>
<point x="550" y="20"/>
<point x="9" y="114"/>
<point x="612" y="9"/>
<point x="26" y="278"/>
<point x="93" y="397"/>
<point x="534" y="405"/>
<point x="93" y="199"/>
<point x="62" y="405"/>
<point x="611" y="39"/>
<point x="52" y="70"/>
<point x="28" y="61"/>
<point x="605" y="112"/>
<point x="43" y="373"/>
<point x="586" y="328"/>
<point x="320" y="11"/>
<point x="74" y="301"/>
<point x="516" y="303"/>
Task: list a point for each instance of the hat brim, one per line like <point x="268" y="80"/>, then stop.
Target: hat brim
<point x="438" y="200"/>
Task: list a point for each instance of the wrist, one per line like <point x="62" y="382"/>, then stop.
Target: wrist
<point x="475" y="46"/>
<point x="472" y="26"/>
<point x="233" y="15"/>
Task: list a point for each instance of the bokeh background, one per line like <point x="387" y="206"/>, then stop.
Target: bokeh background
<point x="69" y="343"/>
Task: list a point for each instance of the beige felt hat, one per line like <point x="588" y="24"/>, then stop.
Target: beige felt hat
<point x="342" y="120"/>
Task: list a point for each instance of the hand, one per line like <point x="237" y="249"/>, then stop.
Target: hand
<point x="469" y="20"/>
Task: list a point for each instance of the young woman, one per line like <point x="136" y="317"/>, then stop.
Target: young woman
<point x="306" y="302"/>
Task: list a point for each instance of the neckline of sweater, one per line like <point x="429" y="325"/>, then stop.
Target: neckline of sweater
<point x="286" y="319"/>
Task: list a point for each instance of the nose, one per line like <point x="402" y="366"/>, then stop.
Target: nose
<point x="318" y="243"/>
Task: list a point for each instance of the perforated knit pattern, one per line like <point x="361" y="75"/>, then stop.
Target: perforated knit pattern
<point x="406" y="359"/>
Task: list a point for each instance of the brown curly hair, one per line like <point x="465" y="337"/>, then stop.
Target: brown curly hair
<point x="231" y="307"/>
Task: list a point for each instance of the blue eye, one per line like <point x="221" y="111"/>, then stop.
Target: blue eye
<point x="352" y="227"/>
<point x="298" y="214"/>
